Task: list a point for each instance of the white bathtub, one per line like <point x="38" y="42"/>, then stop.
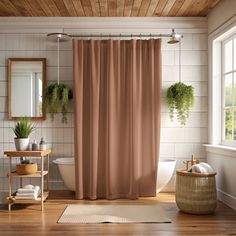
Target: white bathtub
<point x="165" y="171"/>
<point x="67" y="170"/>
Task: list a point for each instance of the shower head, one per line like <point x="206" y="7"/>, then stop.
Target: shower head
<point x="175" y="38"/>
<point x="61" y="36"/>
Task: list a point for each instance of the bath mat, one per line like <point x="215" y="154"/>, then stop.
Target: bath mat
<point x="93" y="214"/>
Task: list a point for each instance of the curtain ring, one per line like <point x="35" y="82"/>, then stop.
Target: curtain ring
<point x="120" y="36"/>
<point x="131" y="36"/>
<point x="140" y="36"/>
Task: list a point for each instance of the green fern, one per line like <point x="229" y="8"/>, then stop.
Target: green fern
<point x="56" y="98"/>
<point x="180" y="98"/>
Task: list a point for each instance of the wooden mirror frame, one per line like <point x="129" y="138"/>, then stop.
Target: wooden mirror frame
<point x="10" y="60"/>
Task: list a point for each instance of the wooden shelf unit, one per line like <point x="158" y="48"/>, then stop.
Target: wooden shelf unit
<point x="39" y="174"/>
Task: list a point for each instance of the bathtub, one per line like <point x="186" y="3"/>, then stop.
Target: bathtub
<point x="165" y="171"/>
<point x="67" y="170"/>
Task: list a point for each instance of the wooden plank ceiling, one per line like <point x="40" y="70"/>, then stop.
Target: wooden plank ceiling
<point x="106" y="7"/>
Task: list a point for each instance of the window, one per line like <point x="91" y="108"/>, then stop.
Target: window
<point x="229" y="90"/>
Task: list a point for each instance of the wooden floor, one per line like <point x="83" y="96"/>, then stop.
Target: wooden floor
<point x="29" y="221"/>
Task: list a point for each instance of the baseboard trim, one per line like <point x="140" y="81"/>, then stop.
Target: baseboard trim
<point x="168" y="189"/>
<point x="226" y="198"/>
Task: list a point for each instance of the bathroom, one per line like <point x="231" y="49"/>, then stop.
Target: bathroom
<point x="21" y="38"/>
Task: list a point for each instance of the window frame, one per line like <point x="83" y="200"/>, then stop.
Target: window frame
<point x="232" y="37"/>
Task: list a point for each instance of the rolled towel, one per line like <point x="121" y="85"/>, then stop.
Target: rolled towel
<point x="201" y="168"/>
<point x="207" y="167"/>
<point x="197" y="169"/>
<point x="28" y="186"/>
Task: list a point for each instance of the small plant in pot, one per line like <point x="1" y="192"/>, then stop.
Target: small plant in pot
<point x="180" y="99"/>
<point x="23" y="128"/>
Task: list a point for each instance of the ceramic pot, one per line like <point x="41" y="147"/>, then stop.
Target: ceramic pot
<point x="21" y="144"/>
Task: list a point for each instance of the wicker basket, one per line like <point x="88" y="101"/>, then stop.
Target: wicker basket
<point x="26" y="169"/>
<point x="195" y="192"/>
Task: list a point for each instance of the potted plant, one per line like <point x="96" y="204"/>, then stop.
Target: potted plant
<point x="56" y="97"/>
<point x="180" y="98"/>
<point x="22" y="130"/>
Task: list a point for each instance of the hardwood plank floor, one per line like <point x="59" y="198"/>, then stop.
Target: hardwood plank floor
<point x="29" y="221"/>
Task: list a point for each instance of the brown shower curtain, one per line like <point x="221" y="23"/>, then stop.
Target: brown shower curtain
<point x="117" y="92"/>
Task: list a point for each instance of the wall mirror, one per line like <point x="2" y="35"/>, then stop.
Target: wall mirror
<point x="26" y="83"/>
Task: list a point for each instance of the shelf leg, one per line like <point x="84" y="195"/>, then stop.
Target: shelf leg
<point x="9" y="182"/>
<point x="21" y="185"/>
<point x="9" y="206"/>
<point x="48" y="172"/>
<point x="42" y="182"/>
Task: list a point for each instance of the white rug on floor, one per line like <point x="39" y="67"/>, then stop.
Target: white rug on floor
<point x="92" y="214"/>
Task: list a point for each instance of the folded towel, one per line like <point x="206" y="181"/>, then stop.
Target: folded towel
<point x="26" y="197"/>
<point x="201" y="168"/>
<point x="27" y="193"/>
<point x="28" y="190"/>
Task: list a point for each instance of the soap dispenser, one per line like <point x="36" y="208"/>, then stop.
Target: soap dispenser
<point x="35" y="146"/>
<point x="42" y="145"/>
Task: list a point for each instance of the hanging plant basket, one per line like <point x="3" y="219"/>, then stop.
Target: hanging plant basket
<point x="180" y="98"/>
<point x="56" y="99"/>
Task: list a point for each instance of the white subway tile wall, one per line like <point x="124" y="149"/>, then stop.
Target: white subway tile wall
<point x="176" y="142"/>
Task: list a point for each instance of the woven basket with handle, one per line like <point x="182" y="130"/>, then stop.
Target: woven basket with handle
<point x="195" y="192"/>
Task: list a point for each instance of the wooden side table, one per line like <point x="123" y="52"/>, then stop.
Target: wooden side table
<point x="39" y="174"/>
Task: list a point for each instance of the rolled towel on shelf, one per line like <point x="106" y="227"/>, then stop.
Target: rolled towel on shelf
<point x="28" y="186"/>
<point x="201" y="168"/>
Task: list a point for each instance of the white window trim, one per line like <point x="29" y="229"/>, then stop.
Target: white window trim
<point x="220" y="149"/>
<point x="214" y="90"/>
<point x="232" y="36"/>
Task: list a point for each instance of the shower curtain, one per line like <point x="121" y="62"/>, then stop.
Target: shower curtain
<point x="117" y="93"/>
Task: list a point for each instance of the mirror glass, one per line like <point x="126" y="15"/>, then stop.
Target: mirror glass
<point x="26" y="84"/>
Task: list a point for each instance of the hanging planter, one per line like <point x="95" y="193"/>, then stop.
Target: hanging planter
<point x="180" y="98"/>
<point x="56" y="99"/>
<point x="57" y="95"/>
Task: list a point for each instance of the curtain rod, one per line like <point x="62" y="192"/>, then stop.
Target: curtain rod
<point x="174" y="38"/>
<point x="120" y="35"/>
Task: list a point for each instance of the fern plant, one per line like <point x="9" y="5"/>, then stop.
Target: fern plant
<point x="23" y="127"/>
<point x="56" y="98"/>
<point x="180" y="98"/>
